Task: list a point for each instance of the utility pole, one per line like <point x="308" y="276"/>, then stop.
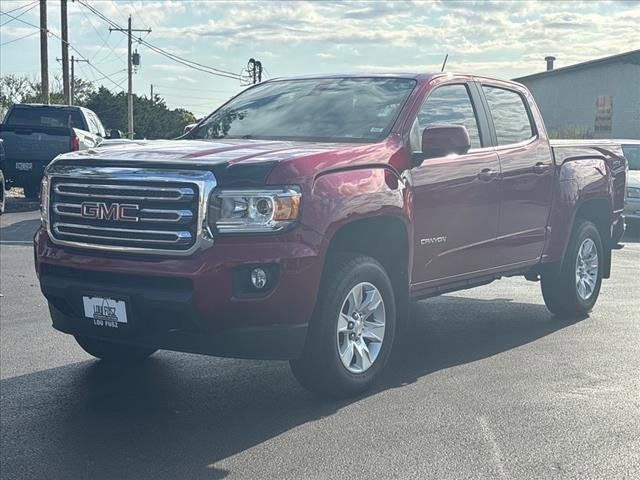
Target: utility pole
<point x="65" y="52"/>
<point x="129" y="30"/>
<point x="152" y="94"/>
<point x="44" y="57"/>
<point x="73" y="77"/>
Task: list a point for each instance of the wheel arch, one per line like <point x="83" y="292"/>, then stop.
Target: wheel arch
<point x="384" y="238"/>
<point x="598" y="211"/>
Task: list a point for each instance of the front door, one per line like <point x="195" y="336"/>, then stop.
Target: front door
<point x="455" y="198"/>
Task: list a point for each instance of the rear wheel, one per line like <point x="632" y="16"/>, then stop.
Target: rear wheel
<point x="573" y="290"/>
<point x="113" y="352"/>
<point x="352" y="330"/>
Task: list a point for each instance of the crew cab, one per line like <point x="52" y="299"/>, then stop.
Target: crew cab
<point x="300" y="218"/>
<point x="34" y="134"/>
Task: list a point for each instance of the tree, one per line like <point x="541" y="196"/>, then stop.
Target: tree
<point x="12" y="90"/>
<point x="82" y="90"/>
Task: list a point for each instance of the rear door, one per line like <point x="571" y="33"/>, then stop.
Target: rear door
<point x="527" y="173"/>
<point x="456" y="198"/>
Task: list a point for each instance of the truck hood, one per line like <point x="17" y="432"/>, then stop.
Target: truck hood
<point x="236" y="162"/>
<point x="205" y="152"/>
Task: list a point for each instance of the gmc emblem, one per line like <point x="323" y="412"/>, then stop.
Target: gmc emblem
<point x="125" y="212"/>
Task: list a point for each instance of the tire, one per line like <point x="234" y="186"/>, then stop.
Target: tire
<point x="32" y="190"/>
<point x="113" y="352"/>
<point x="322" y="369"/>
<point x="573" y="291"/>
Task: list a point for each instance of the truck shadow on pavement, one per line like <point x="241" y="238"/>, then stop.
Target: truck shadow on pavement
<point x="180" y="416"/>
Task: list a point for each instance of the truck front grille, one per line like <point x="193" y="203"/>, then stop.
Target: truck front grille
<point x="140" y="213"/>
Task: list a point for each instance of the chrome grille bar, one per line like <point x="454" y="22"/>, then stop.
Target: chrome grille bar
<point x="180" y="193"/>
<point x="137" y="210"/>
<point x="136" y="235"/>
<point x="170" y="216"/>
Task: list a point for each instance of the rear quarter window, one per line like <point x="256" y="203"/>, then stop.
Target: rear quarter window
<point x="510" y="115"/>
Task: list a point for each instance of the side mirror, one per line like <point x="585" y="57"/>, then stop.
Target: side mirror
<point x="441" y="140"/>
<point x="114" y="134"/>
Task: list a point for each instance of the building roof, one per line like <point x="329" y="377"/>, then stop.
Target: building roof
<point x="628" y="57"/>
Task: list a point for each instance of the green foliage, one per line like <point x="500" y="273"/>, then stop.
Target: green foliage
<point x="152" y="118"/>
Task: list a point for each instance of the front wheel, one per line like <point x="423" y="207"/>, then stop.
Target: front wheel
<point x="573" y="291"/>
<point x="113" y="352"/>
<point x="352" y="331"/>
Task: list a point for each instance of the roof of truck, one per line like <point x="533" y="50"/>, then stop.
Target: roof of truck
<point x="52" y="105"/>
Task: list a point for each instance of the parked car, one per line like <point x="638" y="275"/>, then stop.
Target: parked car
<point x="34" y="134"/>
<point x="299" y="220"/>
<point x="631" y="150"/>
<point x="3" y="191"/>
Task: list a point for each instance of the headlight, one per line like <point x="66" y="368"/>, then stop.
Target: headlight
<point x="633" y="192"/>
<point x="44" y="201"/>
<point x="253" y="210"/>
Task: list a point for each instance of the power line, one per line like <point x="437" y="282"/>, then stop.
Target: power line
<point x="19" y="38"/>
<point x="104" y="58"/>
<point x="184" y="96"/>
<point x="21" y="14"/>
<point x="68" y="43"/>
<point x="183" y="61"/>
<point x="20" y="7"/>
<point x="104" y="39"/>
<point x="195" y="89"/>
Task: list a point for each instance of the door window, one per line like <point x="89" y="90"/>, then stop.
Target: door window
<point x="510" y="115"/>
<point x="447" y="104"/>
<point x="98" y="124"/>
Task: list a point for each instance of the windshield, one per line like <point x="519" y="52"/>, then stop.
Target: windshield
<point x="329" y="109"/>
<point x="45" y="117"/>
<point x="632" y="154"/>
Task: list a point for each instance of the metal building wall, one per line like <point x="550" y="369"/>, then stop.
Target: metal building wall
<point x="573" y="101"/>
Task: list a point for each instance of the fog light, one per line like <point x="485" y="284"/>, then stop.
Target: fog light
<point x="258" y="278"/>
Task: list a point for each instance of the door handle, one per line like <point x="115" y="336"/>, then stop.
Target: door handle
<point x="487" y="174"/>
<point x="541" y="168"/>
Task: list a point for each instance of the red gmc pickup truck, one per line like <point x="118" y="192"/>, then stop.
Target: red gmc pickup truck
<point x="299" y="220"/>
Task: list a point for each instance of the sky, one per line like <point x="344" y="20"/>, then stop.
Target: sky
<point x="502" y="39"/>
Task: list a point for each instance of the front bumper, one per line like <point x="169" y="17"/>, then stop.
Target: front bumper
<point x="191" y="304"/>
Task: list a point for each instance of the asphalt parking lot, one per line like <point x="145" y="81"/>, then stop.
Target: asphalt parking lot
<point x="490" y="385"/>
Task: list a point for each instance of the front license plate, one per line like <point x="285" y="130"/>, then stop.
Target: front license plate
<point x="24" y="166"/>
<point x="105" y="312"/>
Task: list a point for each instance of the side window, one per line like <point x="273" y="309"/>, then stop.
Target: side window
<point x="87" y="120"/>
<point x="509" y="113"/>
<point x="99" y="128"/>
<point x="446" y="104"/>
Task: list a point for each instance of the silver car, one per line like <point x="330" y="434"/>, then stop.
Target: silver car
<point x="631" y="149"/>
